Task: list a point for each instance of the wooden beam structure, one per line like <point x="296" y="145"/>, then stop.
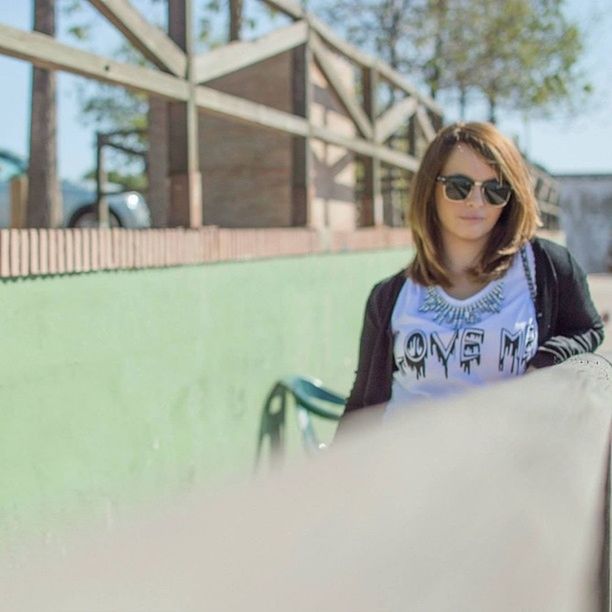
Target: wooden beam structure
<point x="251" y="112"/>
<point x="347" y="98"/>
<point x="394" y="118"/>
<point x="301" y="146"/>
<point x="339" y="44"/>
<point x="179" y="74"/>
<point x="183" y="145"/>
<point x="148" y="39"/>
<point x="295" y="11"/>
<point x="237" y="55"/>
<point x="258" y="114"/>
<point x="399" y="81"/>
<point x="425" y="123"/>
<point x="45" y="52"/>
<point x="372" y="205"/>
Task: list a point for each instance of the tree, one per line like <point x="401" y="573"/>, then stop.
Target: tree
<point x="44" y="207"/>
<point x="386" y="28"/>
<point x="521" y="55"/>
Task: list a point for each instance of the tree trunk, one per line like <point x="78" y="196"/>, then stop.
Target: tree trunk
<point x="235" y="20"/>
<point x="492" y="109"/>
<point x="44" y="207"/>
<point x="462" y="103"/>
<point x="440" y="10"/>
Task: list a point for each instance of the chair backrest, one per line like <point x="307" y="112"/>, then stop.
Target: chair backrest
<point x="308" y="397"/>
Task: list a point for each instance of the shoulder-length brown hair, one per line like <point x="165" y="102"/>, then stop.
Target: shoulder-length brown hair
<point x="516" y="225"/>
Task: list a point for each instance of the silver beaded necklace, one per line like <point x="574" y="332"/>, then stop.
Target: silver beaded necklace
<point x="459" y="316"/>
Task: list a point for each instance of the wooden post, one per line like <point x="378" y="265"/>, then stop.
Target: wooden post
<point x="301" y="183"/>
<point x="412" y="136"/>
<point x="437" y="121"/>
<point x="157" y="162"/>
<point x="19" y="200"/>
<point x="102" y="215"/>
<point x="372" y="213"/>
<point x="183" y="158"/>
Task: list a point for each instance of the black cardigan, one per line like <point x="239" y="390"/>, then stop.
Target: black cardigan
<point x="568" y="323"/>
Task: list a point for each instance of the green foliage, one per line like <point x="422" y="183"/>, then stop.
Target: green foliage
<point x="128" y="182"/>
<point x="520" y="55"/>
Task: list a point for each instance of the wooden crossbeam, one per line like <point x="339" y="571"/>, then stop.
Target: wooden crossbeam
<point x="257" y="114"/>
<point x="395" y="78"/>
<point x="394" y="118"/>
<point x="252" y="112"/>
<point x="237" y="55"/>
<point x="425" y="123"/>
<point x="347" y="98"/>
<point x="339" y="44"/>
<point x="44" y="51"/>
<point x="363" y="147"/>
<point x="294" y="10"/>
<point x="148" y="39"/>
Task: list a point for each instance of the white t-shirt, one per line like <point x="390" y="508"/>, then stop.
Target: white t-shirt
<point x="442" y="345"/>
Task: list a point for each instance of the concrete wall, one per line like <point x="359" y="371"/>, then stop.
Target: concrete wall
<point x="586" y="202"/>
<point x="119" y="387"/>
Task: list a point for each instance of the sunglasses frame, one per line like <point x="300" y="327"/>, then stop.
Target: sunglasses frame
<point x="482" y="184"/>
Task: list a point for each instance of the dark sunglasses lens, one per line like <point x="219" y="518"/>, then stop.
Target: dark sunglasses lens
<point x="458" y="188"/>
<point x="497" y="194"/>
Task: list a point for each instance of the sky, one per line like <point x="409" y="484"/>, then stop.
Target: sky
<point x="579" y="144"/>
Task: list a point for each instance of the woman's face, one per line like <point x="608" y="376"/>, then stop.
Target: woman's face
<point x="470" y="220"/>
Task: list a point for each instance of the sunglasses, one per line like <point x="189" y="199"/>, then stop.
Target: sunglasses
<point x="458" y="187"/>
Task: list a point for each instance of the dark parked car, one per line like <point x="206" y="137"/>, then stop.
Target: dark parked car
<point x="127" y="208"/>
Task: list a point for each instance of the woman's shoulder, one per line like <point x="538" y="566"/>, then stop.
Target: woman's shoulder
<point x="557" y="254"/>
<point x="385" y="292"/>
<point x="389" y="285"/>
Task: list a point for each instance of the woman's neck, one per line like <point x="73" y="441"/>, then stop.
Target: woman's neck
<point x="459" y="258"/>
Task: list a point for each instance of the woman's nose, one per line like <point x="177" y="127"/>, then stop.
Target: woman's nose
<point x="475" y="197"/>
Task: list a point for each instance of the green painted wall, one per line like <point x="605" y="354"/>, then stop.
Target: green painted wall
<point x="120" y="387"/>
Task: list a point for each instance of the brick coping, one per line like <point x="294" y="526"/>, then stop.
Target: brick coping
<point x="45" y="252"/>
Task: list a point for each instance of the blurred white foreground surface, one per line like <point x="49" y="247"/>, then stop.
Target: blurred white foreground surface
<point x="491" y="502"/>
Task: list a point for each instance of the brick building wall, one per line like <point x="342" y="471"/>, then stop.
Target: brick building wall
<point x="247" y="171"/>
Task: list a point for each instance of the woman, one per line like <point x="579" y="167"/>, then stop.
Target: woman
<point x="483" y="298"/>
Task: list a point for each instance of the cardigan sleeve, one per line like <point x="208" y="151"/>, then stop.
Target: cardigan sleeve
<point x="577" y="328"/>
<point x="369" y="332"/>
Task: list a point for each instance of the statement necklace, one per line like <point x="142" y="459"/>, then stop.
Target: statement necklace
<point x="458" y="316"/>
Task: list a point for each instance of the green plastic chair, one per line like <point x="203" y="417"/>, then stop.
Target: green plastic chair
<point x="309" y="397"/>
